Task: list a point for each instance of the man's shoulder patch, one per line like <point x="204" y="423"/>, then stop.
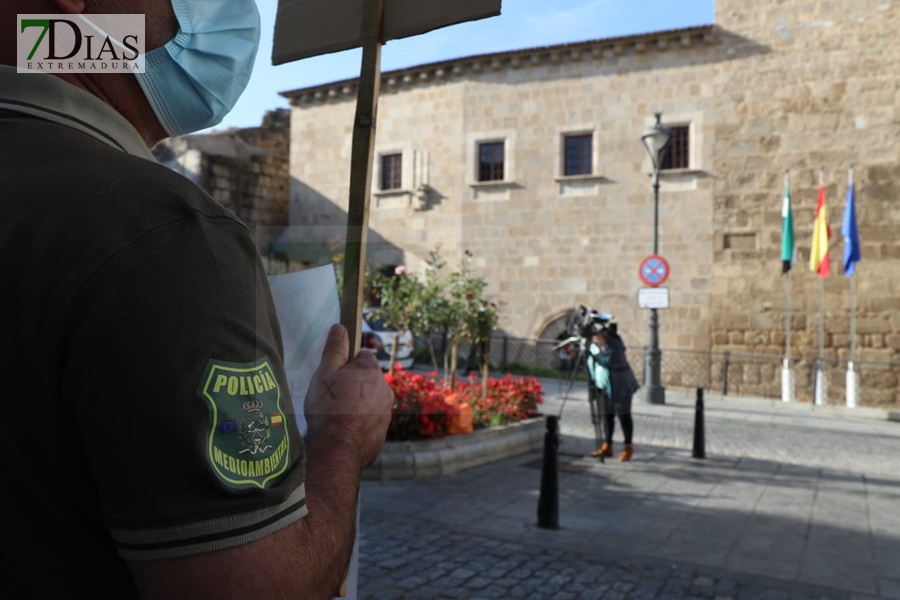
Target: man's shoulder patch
<point x="248" y="445"/>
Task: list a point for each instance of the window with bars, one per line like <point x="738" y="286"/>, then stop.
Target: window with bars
<point x="577" y="153"/>
<point x="391" y="171"/>
<point x="678" y="154"/>
<point x="491" y="158"/>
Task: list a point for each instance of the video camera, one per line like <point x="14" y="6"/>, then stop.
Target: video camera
<point x="587" y="322"/>
<point x="583" y="323"/>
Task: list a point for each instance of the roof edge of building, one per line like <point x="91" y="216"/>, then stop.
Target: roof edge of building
<point x="569" y="52"/>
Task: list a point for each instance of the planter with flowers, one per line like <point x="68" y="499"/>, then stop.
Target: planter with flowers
<point x="437" y="430"/>
<point x="443" y="425"/>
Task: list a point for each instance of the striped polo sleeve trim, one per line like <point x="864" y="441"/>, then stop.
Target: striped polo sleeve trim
<point x="207" y="536"/>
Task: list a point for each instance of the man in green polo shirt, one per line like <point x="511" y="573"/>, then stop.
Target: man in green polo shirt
<point x="152" y="450"/>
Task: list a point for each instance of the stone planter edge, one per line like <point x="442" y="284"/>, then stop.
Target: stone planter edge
<point x="455" y="453"/>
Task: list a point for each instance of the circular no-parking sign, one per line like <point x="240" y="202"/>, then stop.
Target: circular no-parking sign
<point x="654" y="270"/>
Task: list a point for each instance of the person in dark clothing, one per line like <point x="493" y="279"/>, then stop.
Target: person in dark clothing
<point x="616" y="384"/>
<point x="163" y="457"/>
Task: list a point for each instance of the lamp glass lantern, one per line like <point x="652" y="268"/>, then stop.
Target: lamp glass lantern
<point x="656" y="139"/>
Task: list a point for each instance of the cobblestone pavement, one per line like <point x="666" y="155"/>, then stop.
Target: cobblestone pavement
<point x="786" y="505"/>
<point x="749" y="429"/>
<point x="407" y="558"/>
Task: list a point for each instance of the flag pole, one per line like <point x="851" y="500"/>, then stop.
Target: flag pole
<point x="852" y="375"/>
<point x="787" y="320"/>
<point x="787" y="371"/>
<point x="852" y="294"/>
<point x="821" y="392"/>
<point x="852" y="321"/>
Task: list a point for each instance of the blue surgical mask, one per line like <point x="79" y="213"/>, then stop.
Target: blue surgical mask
<point x="196" y="78"/>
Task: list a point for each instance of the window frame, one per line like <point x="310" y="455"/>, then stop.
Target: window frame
<point x="586" y="153"/>
<point x="493" y="165"/>
<point x="681" y="142"/>
<point x="395" y="173"/>
<point x="496" y="189"/>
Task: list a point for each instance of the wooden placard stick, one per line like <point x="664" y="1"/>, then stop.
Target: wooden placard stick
<point x="362" y="152"/>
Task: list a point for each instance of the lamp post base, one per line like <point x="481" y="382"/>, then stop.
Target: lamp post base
<point x="655" y="394"/>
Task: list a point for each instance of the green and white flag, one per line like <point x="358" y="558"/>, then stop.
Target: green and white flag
<point x="788" y="249"/>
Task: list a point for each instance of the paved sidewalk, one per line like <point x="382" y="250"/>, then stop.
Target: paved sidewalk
<point x="790" y="502"/>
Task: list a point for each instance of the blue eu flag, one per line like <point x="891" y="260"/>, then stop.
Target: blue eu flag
<point x="850" y="233"/>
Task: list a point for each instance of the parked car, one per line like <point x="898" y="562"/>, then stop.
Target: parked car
<point x="377" y="337"/>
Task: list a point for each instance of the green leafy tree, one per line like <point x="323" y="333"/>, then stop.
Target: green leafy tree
<point x="399" y="296"/>
<point x="433" y="318"/>
<point x="481" y="326"/>
<point x="473" y="318"/>
<point x="438" y="303"/>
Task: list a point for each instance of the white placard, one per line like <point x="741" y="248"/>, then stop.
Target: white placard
<point x="307" y="305"/>
<point x="653" y="297"/>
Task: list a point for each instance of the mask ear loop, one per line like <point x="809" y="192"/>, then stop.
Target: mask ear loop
<point x="139" y="61"/>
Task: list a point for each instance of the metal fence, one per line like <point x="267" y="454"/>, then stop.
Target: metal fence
<point x="729" y="373"/>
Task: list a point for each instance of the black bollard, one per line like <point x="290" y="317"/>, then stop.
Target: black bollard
<point x="548" y="503"/>
<point x="699" y="442"/>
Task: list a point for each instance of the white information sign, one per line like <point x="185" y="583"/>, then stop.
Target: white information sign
<point x="653" y="297"/>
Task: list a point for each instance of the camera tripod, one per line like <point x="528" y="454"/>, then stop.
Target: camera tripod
<point x="579" y="364"/>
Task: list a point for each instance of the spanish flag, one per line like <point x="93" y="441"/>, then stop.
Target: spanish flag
<point x="277" y="419"/>
<point x="818" y="254"/>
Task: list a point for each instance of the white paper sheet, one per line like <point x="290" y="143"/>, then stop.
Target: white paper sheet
<point x="307" y="305"/>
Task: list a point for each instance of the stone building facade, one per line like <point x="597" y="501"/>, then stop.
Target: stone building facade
<point x="783" y="86"/>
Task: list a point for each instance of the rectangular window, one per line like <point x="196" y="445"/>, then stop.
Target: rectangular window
<point x="391" y="171"/>
<point x="677" y="155"/>
<point x="491" y="156"/>
<point x="577" y="151"/>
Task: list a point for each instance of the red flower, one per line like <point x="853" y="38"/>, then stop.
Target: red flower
<point x="421" y="410"/>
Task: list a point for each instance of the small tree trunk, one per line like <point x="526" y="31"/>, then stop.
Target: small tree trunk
<point x="454" y="351"/>
<point x="446" y="350"/>
<point x="394" y="351"/>
<point x="485" y="366"/>
<point x="432" y="354"/>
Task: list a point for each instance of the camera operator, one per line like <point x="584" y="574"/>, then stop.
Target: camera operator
<point x="614" y="382"/>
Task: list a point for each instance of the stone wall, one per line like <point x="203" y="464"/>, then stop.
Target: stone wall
<point x="807" y="86"/>
<point x="256" y="191"/>
<point x="246" y="170"/>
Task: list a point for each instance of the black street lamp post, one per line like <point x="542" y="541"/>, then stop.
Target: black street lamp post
<point x="656" y="141"/>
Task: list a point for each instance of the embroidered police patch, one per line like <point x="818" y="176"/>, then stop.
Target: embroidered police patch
<point x="248" y="445"/>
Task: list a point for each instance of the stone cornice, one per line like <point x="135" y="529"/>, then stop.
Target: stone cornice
<point x="600" y="49"/>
